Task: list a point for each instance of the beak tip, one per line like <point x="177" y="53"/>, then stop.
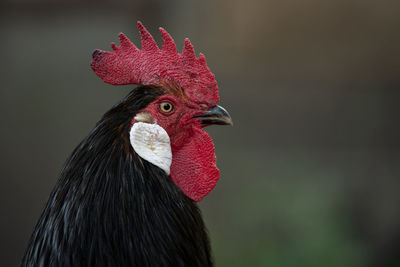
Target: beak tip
<point x="229" y="121"/>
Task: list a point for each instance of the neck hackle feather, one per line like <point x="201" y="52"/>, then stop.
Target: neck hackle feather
<point x="111" y="208"/>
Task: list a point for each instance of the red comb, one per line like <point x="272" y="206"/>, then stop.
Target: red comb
<point x="151" y="65"/>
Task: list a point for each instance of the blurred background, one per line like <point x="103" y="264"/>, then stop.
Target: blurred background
<point x="310" y="170"/>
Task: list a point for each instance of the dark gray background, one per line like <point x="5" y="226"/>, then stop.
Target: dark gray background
<point x="310" y="170"/>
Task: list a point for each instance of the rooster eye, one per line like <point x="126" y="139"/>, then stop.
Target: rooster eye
<point x="166" y="107"/>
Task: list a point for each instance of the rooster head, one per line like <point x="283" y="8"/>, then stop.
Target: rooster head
<point x="168" y="132"/>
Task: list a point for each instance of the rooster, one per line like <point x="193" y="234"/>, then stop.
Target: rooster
<point x="127" y="194"/>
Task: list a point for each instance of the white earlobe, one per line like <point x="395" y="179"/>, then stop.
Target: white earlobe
<point x="151" y="142"/>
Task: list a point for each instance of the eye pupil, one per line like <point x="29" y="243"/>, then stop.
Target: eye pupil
<point x="167" y="106"/>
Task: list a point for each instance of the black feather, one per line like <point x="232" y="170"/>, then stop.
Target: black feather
<point x="112" y="208"/>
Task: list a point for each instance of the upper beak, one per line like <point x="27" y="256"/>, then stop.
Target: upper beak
<point x="216" y="115"/>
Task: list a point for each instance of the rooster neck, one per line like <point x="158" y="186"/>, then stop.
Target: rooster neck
<point x="112" y="208"/>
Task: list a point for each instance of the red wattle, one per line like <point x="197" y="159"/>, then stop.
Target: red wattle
<point x="194" y="167"/>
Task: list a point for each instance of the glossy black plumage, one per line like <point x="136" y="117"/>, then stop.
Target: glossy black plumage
<point x="112" y="208"/>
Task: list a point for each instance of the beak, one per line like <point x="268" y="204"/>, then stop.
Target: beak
<point x="217" y="115"/>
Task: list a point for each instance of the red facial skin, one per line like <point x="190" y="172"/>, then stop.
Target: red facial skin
<point x="193" y="167"/>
